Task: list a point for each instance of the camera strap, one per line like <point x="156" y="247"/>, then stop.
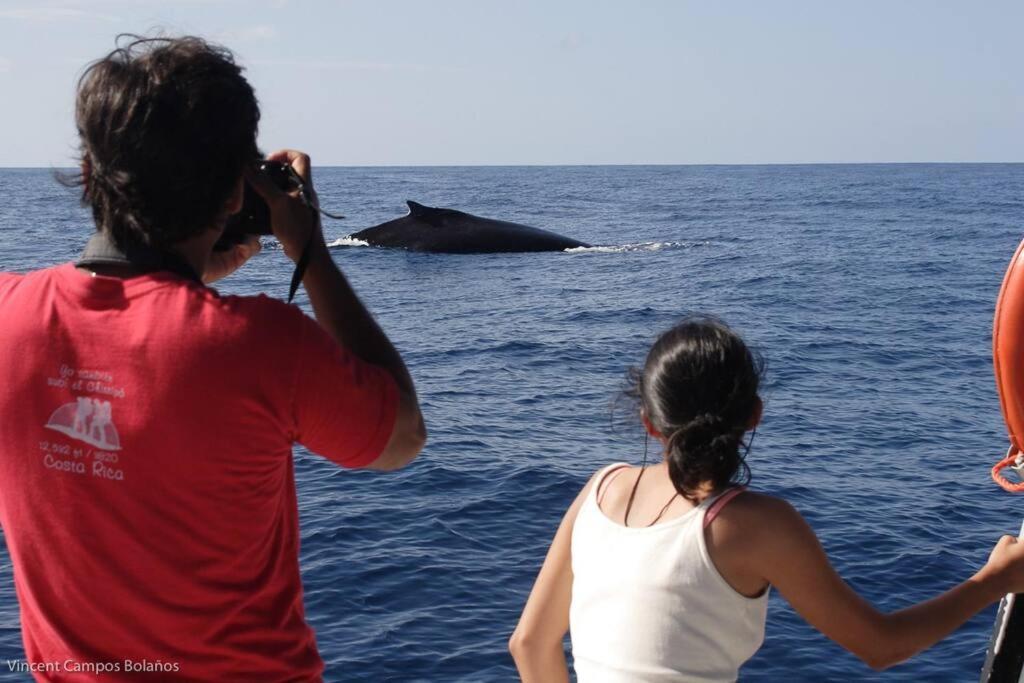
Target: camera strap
<point x="300" y="267"/>
<point x="101" y="250"/>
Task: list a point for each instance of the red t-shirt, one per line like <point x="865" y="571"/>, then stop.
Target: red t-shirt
<point x="147" y="492"/>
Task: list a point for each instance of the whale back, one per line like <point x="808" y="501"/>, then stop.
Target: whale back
<point x="442" y="230"/>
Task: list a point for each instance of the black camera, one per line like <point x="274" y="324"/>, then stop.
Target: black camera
<point x="254" y="217"/>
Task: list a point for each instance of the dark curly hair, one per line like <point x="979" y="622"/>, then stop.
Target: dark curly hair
<point x="165" y="125"/>
<point x="698" y="387"/>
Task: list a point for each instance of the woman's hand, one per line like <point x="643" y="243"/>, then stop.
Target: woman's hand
<point x="1005" y="566"/>
<point x="220" y="264"/>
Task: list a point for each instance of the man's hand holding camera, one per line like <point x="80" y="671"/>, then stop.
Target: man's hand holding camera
<point x="294" y="222"/>
<point x="223" y="263"/>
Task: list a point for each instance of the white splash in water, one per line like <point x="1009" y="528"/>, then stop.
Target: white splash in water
<point x="641" y="246"/>
<point x="348" y="241"/>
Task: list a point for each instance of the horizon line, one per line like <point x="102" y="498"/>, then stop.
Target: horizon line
<point x="606" y="165"/>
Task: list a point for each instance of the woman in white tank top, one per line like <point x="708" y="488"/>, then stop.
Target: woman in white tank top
<point x="662" y="573"/>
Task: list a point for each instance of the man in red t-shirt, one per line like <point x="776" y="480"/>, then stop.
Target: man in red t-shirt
<point x="147" y="494"/>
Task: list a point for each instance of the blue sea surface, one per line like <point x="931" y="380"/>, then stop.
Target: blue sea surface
<point x="869" y="289"/>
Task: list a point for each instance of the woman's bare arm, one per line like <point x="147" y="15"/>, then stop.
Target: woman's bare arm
<point x="536" y="644"/>
<point x="787" y="554"/>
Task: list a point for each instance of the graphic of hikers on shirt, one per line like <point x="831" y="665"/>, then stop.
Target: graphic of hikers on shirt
<point x="88" y="420"/>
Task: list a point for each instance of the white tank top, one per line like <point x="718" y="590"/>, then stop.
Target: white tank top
<point x="648" y="604"/>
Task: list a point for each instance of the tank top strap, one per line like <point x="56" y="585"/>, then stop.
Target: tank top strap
<point x="720" y="502"/>
<point x="603" y="477"/>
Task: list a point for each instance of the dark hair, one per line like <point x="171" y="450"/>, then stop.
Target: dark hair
<point x="165" y="127"/>
<point x="698" y="388"/>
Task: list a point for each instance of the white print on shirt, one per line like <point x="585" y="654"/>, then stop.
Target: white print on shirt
<point x="73" y="419"/>
<point x="65" y="458"/>
<point x="90" y="381"/>
<point x="86" y="419"/>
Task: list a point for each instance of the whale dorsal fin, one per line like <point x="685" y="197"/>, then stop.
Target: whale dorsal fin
<point x="417" y="209"/>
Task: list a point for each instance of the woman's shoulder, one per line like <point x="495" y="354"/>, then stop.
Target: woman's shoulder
<point x="612" y="466"/>
<point x="761" y="505"/>
<point x="759" y="501"/>
<point x="585" y="492"/>
<point x="606" y="471"/>
<point x="755" y="515"/>
<point x="600" y="477"/>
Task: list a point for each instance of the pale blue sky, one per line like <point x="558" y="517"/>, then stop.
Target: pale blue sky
<point x="564" y="82"/>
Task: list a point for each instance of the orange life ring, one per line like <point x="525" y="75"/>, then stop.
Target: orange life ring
<point x="1008" y="360"/>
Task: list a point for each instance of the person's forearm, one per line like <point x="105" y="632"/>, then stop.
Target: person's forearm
<point x="542" y="665"/>
<point x="908" y="631"/>
<point x="339" y="310"/>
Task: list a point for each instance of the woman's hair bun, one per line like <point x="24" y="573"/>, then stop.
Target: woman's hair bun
<point x="704" y="449"/>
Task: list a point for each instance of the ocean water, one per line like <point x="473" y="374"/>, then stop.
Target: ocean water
<point x="869" y="289"/>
